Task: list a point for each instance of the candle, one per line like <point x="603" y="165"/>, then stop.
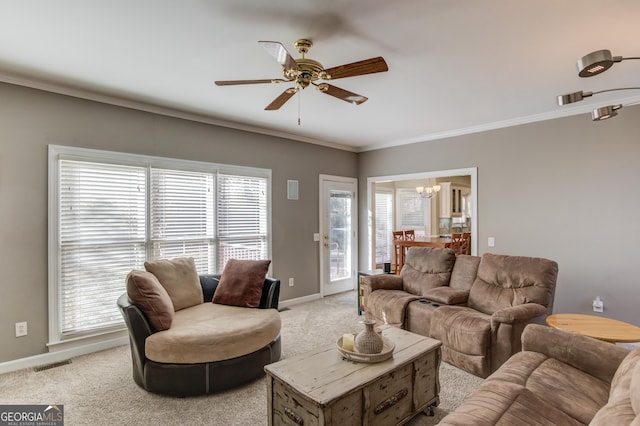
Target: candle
<point x="347" y="342"/>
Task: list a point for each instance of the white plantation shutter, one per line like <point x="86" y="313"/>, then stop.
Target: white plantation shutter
<point x="110" y="212"/>
<point x="102" y="238"/>
<point x="384" y="226"/>
<point x="182" y="216"/>
<point x="242" y="218"/>
<point x="411" y="211"/>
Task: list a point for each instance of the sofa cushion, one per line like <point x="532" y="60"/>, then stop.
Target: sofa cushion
<point x="241" y="283"/>
<point x="624" y="399"/>
<point x="557" y="384"/>
<point x="501" y="403"/>
<point x="462" y="329"/>
<point x="466" y="337"/>
<point x="180" y="278"/>
<point x="505" y="281"/>
<point x="146" y="292"/>
<point x="464" y="272"/>
<point x="194" y="339"/>
<point x="426" y="268"/>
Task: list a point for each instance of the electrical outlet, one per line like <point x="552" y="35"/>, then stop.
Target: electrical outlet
<point x="598" y="305"/>
<point x="21" y="329"/>
<point x="290" y="282"/>
<point x="491" y="242"/>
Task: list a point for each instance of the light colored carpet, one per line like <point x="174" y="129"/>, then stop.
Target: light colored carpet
<point x="98" y="389"/>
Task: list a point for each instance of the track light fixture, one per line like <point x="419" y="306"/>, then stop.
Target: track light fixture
<point x="604" y="113"/>
<point x="593" y="64"/>
<point x="598" y="62"/>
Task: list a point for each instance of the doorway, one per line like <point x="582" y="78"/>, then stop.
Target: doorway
<point x="461" y="217"/>
<point x="338" y="230"/>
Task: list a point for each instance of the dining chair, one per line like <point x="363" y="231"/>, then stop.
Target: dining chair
<point x="466" y="243"/>
<point x="398" y="235"/>
<point x="410" y="234"/>
<point x="456" y="243"/>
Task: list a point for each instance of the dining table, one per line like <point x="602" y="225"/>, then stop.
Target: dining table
<point x="404" y="245"/>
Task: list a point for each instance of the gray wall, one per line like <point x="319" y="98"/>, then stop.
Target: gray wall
<point x="564" y="189"/>
<point x="32" y="119"/>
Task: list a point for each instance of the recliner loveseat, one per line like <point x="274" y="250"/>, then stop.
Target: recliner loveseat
<point x="476" y="306"/>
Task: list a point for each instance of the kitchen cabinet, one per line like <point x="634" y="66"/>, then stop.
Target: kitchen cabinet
<point x="453" y="199"/>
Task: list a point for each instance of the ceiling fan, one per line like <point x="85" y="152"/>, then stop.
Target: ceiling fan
<point x="304" y="71"/>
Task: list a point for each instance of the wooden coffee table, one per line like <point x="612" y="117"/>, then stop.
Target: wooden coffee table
<point x="322" y="388"/>
<point x="601" y="328"/>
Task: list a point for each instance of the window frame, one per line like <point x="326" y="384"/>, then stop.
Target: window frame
<point x="55" y="153"/>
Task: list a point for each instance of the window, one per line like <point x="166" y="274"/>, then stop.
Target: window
<point x="111" y="212"/>
<point x="384" y="225"/>
<point x="412" y="211"/>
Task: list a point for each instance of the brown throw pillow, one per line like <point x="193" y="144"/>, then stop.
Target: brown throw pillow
<point x="180" y="278"/>
<point x="146" y="292"/>
<point x="241" y="283"/>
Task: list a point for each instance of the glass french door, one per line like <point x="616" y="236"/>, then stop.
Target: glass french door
<point x="338" y="224"/>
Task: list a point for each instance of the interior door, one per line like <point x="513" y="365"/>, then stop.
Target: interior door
<point x="338" y="234"/>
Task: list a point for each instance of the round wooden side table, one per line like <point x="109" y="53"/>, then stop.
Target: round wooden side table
<point x="601" y="328"/>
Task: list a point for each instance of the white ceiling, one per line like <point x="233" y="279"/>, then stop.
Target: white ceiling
<point x="454" y="66"/>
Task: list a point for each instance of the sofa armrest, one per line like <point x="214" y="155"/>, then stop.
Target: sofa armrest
<point x="382" y="282"/>
<point x="518" y="314"/>
<point x="270" y="294"/>
<point x="447" y="295"/>
<point x="139" y="329"/>
<point x="595" y="357"/>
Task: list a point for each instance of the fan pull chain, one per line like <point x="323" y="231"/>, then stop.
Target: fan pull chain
<point x="299" y="96"/>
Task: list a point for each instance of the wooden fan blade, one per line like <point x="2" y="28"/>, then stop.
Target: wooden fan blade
<point x="345" y="95"/>
<point x="278" y="51"/>
<point x="236" y="82"/>
<point x="280" y="100"/>
<point x="367" y="66"/>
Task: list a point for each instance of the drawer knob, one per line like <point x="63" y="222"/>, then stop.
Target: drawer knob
<point x="293" y="416"/>
<point x="391" y="401"/>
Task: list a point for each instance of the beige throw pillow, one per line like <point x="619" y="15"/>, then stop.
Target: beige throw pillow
<point x="180" y="278"/>
<point x="146" y="292"/>
<point x="241" y="283"/>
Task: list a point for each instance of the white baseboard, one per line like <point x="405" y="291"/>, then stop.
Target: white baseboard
<point x="299" y="300"/>
<point x="61" y="355"/>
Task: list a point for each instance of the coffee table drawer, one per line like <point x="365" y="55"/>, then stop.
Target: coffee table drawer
<point x="389" y="399"/>
<point x="293" y="409"/>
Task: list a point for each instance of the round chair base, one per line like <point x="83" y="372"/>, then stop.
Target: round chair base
<point x="204" y="378"/>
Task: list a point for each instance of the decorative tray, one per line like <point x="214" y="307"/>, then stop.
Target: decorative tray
<point x="387" y="352"/>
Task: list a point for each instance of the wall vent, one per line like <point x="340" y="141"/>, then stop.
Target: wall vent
<point x="52" y="365"/>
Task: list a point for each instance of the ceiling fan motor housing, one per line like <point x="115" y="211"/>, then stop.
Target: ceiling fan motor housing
<point x="309" y="70"/>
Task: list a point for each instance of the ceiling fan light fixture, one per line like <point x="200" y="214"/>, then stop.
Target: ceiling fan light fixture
<point x="604" y="113"/>
<point x="596" y="63"/>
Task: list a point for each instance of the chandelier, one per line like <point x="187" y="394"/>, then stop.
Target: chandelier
<point x="427" y="191"/>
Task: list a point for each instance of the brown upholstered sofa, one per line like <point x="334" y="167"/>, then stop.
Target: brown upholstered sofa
<point x="559" y="378"/>
<point x="476" y="306"/>
<point x="205" y="347"/>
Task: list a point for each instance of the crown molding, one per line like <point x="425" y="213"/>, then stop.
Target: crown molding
<point x="158" y="109"/>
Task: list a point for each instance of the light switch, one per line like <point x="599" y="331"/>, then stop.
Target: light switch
<point x="316" y="237"/>
<point x="491" y="242"/>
